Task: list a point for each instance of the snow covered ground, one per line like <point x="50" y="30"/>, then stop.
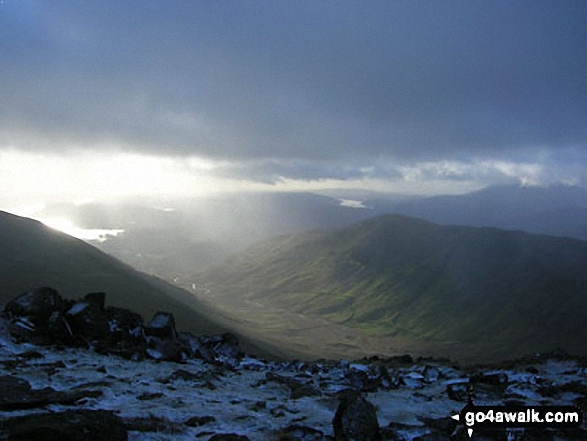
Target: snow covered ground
<point x="259" y="399"/>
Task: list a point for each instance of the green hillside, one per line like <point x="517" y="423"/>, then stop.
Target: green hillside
<point x="33" y="255"/>
<point x="503" y="292"/>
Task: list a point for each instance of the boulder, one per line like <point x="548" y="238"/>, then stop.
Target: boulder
<point x="355" y="418"/>
<point x="127" y="335"/>
<point x="88" y="322"/>
<point x="164" y="350"/>
<point x="162" y="325"/>
<point x="225" y="344"/>
<point x="97" y="298"/>
<point x="37" y="316"/>
<point x="162" y="338"/>
<point x="196" y="348"/>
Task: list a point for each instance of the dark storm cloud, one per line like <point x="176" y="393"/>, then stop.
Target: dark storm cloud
<point x="294" y="81"/>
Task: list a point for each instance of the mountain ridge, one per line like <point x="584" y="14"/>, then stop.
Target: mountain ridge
<point x="403" y="277"/>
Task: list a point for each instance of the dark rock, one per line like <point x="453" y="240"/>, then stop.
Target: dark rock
<point x="400" y="360"/>
<point x="182" y="374"/>
<point x="30" y="355"/>
<point x="225" y="344"/>
<point x="88" y="322"/>
<point x="38" y="304"/>
<point x="148" y="397"/>
<point x="570" y="434"/>
<point x="445" y="426"/>
<point x="162" y="325"/>
<point x="499" y="379"/>
<point x="196" y="348"/>
<point x="362" y="381"/>
<point x="164" y="350"/>
<point x="296" y="432"/>
<point x="485" y="434"/>
<point x="18" y="394"/>
<point x="304" y="390"/>
<point x="162" y="341"/>
<point x="198" y="421"/>
<point x="355" y="419"/>
<point x="458" y="390"/>
<point x="152" y="424"/>
<point x="37" y="316"/>
<point x="76" y="425"/>
<point x="277" y="412"/>
<point x="97" y="298"/>
<point x="228" y="437"/>
<point x="259" y="406"/>
<point x="298" y="389"/>
<point x="537" y="435"/>
<point x="432" y="436"/>
<point x="127" y="337"/>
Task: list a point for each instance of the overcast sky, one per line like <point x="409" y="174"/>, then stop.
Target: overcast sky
<point x="118" y="97"/>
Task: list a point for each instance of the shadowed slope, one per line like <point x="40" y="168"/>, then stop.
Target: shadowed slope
<point x="34" y="255"/>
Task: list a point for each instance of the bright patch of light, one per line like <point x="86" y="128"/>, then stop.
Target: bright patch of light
<point x="351" y="203"/>
<point x="69" y="228"/>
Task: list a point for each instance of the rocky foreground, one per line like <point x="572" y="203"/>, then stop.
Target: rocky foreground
<point x="78" y="370"/>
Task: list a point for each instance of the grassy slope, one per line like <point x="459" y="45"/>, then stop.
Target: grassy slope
<point x="32" y="255"/>
<point x="410" y="279"/>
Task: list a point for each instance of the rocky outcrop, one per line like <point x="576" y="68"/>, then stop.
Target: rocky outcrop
<point x="39" y="316"/>
<point x="43" y="317"/>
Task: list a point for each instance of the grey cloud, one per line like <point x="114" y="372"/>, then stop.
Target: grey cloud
<point x="296" y="81"/>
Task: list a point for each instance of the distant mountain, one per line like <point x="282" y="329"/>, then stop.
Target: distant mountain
<point x="33" y="255"/>
<point x="493" y="292"/>
<point x="557" y="210"/>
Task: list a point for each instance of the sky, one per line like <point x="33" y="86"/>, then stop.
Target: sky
<point x="118" y="98"/>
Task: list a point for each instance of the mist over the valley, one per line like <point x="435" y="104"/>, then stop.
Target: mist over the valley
<point x="173" y="238"/>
